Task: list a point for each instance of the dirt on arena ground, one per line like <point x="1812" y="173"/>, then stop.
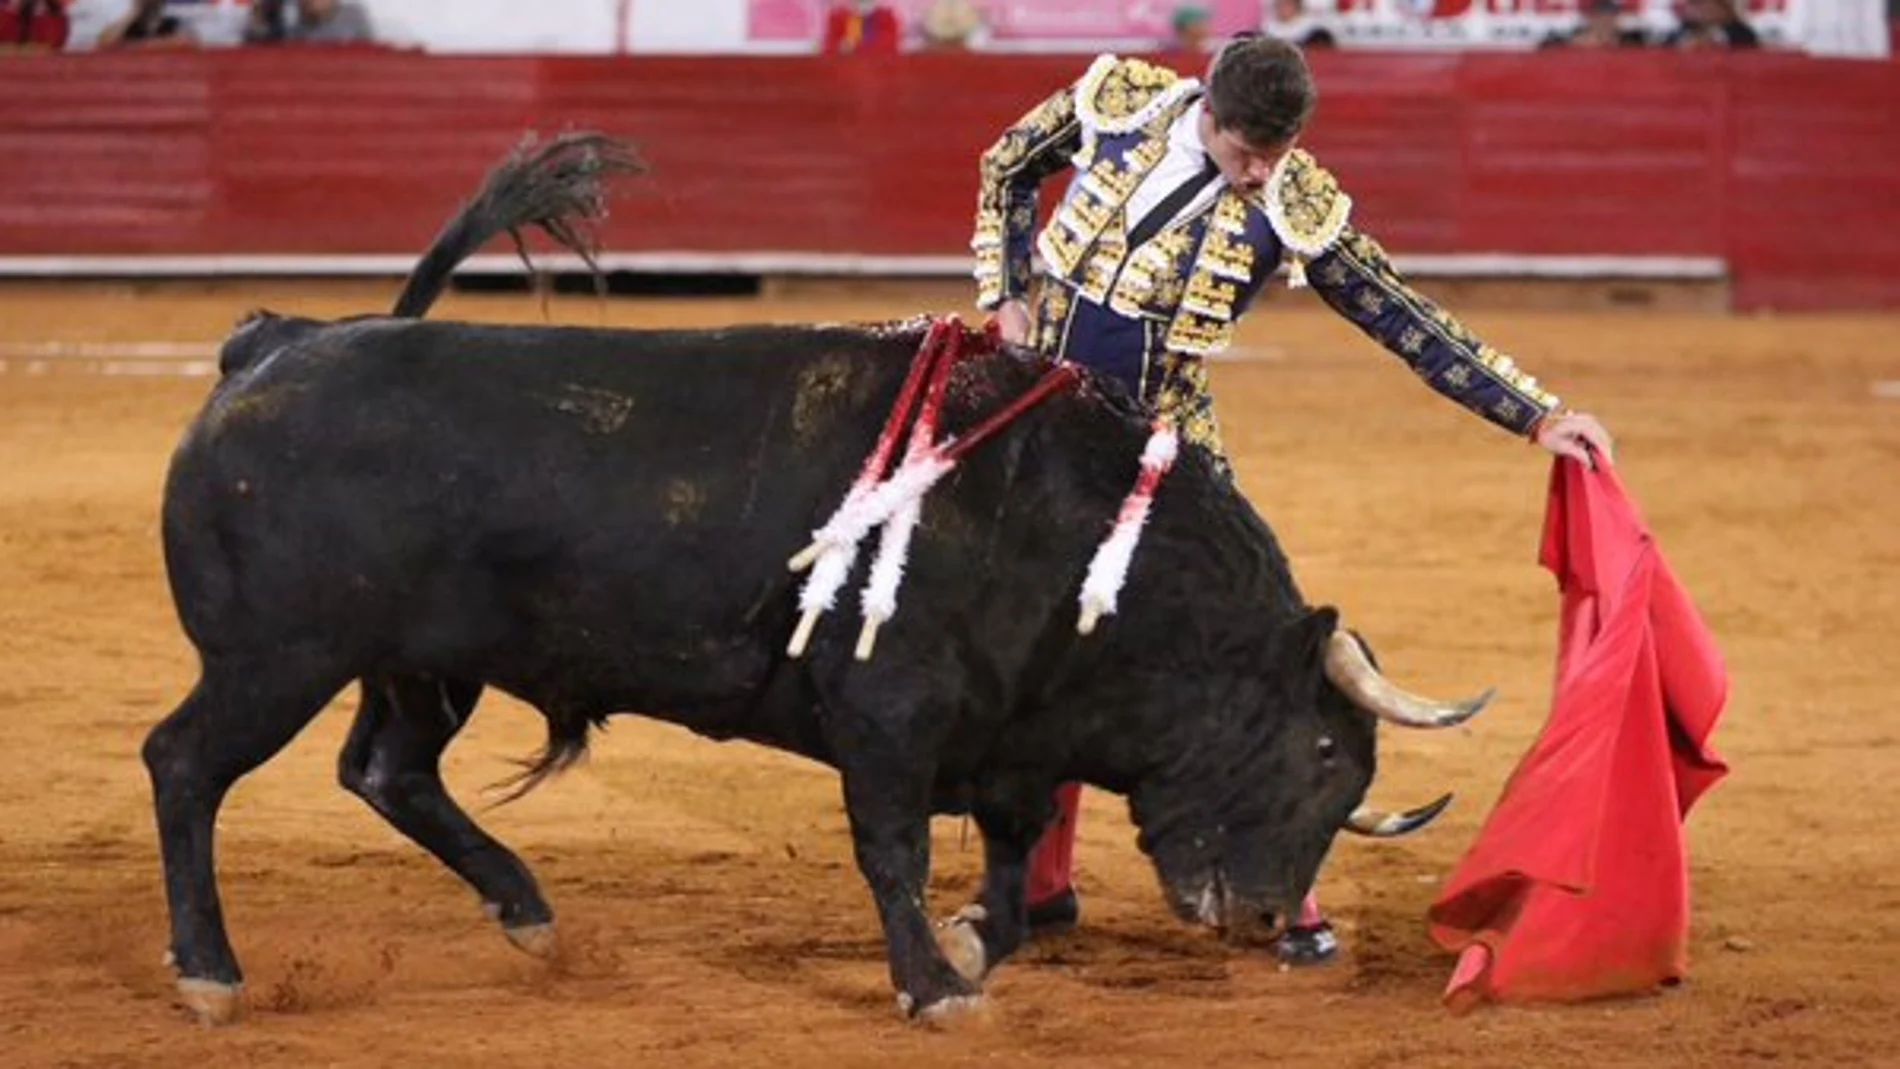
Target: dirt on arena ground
<point x="707" y="898"/>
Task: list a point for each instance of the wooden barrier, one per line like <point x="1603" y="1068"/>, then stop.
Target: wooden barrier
<point x="1785" y="168"/>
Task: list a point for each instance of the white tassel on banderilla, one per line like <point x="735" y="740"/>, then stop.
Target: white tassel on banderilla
<point x="873" y="500"/>
<point x="897" y="503"/>
<point x="835" y="548"/>
<point x="879" y="600"/>
<point x="1109" y="568"/>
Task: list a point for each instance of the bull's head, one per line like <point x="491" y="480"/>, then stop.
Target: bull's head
<point x="1280" y="762"/>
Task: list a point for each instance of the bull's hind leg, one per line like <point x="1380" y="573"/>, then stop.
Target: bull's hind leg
<point x="242" y="712"/>
<point x="393" y="761"/>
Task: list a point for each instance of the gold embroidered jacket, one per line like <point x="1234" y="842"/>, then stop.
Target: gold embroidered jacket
<point x="1199" y="274"/>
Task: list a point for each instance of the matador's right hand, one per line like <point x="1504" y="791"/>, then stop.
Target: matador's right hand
<point x="1012" y="319"/>
<point x="1577" y="436"/>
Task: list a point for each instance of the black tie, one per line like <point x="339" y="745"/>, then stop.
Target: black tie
<point x="1162" y="214"/>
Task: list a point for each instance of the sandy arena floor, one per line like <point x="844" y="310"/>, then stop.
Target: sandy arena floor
<point x="707" y="897"/>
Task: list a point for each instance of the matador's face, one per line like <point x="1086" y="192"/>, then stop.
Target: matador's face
<point x="1245" y="166"/>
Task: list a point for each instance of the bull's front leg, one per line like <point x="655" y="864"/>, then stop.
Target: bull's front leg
<point x="890" y="831"/>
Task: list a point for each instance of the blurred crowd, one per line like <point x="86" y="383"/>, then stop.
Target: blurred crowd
<point x="1699" y="24"/>
<point x="47" y="25"/>
<point x="856" y="27"/>
<point x="873" y="26"/>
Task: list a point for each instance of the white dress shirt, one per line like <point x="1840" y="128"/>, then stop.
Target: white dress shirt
<point x="1184" y="160"/>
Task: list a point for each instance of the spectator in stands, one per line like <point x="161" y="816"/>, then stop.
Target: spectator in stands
<point x="1192" y="27"/>
<point x="1711" y="24"/>
<point x="1601" y="28"/>
<point x="952" y="25"/>
<point x="327" y="22"/>
<point x="1288" y="21"/>
<point x="267" y="24"/>
<point x="33" y="26"/>
<point x="862" y="28"/>
<point x="147" y="26"/>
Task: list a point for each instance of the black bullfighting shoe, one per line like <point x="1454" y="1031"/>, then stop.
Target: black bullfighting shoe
<point x="1053" y="916"/>
<point x="1313" y="944"/>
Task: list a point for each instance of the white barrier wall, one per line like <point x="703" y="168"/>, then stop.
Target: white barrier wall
<point x="572" y="26"/>
<point x="687" y="25"/>
<point x="500" y="25"/>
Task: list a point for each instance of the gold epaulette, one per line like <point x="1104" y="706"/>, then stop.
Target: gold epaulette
<point x="1307" y="208"/>
<point x="1120" y="95"/>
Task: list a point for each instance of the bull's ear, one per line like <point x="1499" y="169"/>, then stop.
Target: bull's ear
<point x="1302" y="643"/>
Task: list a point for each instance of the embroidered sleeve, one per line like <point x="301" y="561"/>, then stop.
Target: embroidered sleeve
<point x="1357" y="280"/>
<point x="1012" y="170"/>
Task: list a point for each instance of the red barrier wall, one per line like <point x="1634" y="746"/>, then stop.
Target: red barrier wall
<point x="1785" y="166"/>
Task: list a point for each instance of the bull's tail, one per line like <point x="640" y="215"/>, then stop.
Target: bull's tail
<point x="559" y="186"/>
<point x="566" y="746"/>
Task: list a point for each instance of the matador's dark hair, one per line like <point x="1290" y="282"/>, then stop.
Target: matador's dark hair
<point x="1260" y="87"/>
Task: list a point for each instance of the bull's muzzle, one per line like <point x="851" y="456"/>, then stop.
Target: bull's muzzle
<point x="1213" y="902"/>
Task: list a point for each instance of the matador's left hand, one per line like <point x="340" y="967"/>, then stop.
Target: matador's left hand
<point x="1576" y="435"/>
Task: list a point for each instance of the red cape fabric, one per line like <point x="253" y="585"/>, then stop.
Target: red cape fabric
<point x="1578" y="885"/>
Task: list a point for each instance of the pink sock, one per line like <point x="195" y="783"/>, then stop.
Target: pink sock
<point x="1310" y="916"/>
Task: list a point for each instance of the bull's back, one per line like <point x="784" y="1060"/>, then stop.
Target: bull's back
<point x="441" y="493"/>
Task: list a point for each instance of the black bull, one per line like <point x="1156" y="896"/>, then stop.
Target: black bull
<point x="598" y="522"/>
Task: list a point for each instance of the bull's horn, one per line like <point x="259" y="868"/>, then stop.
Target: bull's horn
<point x="1366" y="820"/>
<point x="1352" y="672"/>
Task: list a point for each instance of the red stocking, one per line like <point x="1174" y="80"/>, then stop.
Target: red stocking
<point x="1052" y="862"/>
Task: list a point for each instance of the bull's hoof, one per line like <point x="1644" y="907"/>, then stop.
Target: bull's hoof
<point x="537" y="940"/>
<point x="213" y="1003"/>
<point x="962" y="946"/>
<point x="956" y="1010"/>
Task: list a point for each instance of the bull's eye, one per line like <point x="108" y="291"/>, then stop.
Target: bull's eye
<point x="1326" y="747"/>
